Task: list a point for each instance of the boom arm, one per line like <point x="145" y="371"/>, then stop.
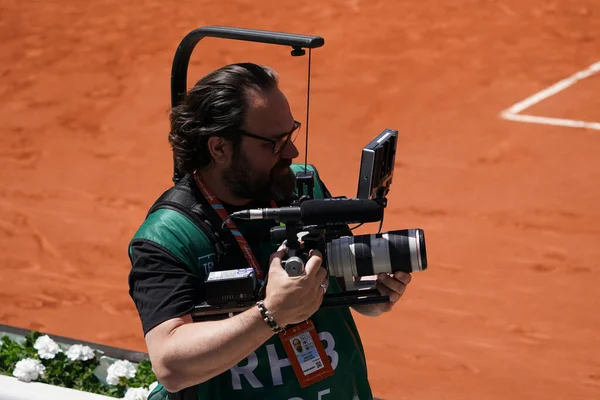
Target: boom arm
<point x="183" y="53"/>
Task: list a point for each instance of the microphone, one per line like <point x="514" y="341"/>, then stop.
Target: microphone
<point x="320" y="212"/>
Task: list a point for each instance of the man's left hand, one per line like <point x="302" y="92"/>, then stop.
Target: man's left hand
<point x="392" y="285"/>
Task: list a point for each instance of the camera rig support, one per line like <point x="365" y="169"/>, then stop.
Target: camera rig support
<point x="375" y="177"/>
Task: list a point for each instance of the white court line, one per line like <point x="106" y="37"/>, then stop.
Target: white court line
<point x="513" y="113"/>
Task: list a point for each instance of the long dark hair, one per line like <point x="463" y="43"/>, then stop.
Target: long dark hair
<point x="216" y="105"/>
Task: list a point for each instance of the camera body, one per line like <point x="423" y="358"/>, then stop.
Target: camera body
<point x="346" y="257"/>
<point x="323" y="224"/>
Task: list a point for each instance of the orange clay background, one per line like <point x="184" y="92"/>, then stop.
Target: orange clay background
<point x="509" y="308"/>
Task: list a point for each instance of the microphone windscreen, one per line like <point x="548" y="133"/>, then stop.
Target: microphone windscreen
<point x="347" y="211"/>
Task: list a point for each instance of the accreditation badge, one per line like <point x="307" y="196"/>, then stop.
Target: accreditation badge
<point x="306" y="353"/>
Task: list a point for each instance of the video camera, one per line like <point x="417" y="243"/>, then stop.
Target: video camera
<point x="323" y="224"/>
<point x="310" y="223"/>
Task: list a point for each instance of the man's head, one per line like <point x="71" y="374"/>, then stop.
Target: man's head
<point x="236" y="122"/>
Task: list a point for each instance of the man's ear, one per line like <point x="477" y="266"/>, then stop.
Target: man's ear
<point x="220" y="149"/>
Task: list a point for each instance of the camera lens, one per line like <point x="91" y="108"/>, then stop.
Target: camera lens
<point x="366" y="255"/>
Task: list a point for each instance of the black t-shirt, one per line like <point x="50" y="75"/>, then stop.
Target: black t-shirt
<point x="162" y="285"/>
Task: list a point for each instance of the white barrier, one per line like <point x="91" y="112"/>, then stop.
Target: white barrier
<point x="13" y="389"/>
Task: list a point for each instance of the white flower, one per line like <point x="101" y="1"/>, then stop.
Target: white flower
<point x="29" y="369"/>
<point x="80" y="352"/>
<point x="137" y="394"/>
<point x="46" y="347"/>
<point x="153" y="385"/>
<point x="120" y="369"/>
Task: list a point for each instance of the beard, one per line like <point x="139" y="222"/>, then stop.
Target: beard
<point x="246" y="182"/>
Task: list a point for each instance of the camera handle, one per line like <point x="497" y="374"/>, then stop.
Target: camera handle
<point x="294" y="261"/>
<point x="295" y="258"/>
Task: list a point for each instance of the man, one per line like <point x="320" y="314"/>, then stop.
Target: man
<point x="233" y="138"/>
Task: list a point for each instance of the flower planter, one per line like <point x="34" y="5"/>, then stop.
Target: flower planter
<point x="36" y="366"/>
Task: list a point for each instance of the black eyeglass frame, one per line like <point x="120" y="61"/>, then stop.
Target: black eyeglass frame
<point x="275" y="142"/>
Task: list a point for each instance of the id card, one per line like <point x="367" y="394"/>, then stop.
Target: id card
<point x="306" y="353"/>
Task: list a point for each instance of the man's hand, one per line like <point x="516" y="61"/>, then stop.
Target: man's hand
<point x="392" y="285"/>
<point x="293" y="299"/>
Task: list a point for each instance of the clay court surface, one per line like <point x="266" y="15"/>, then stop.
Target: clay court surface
<point x="509" y="306"/>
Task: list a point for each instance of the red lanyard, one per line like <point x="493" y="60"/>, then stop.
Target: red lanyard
<point x="218" y="207"/>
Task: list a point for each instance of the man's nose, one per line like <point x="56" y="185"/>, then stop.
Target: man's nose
<point x="290" y="150"/>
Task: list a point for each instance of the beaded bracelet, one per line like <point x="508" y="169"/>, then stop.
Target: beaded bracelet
<point x="268" y="318"/>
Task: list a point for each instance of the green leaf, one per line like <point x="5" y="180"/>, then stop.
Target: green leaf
<point x="12" y="352"/>
<point x="30" y="338"/>
<point x="144" y="376"/>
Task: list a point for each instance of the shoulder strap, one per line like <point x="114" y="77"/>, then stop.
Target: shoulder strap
<point x="182" y="198"/>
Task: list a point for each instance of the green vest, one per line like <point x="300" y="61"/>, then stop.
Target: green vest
<point x="267" y="373"/>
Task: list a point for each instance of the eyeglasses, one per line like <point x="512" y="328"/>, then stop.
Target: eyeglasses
<point x="279" y="143"/>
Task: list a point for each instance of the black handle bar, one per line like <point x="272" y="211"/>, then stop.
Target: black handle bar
<point x="185" y="48"/>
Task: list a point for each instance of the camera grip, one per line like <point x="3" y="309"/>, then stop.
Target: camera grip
<point x="294" y="266"/>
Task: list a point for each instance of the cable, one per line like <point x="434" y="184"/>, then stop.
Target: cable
<point x="357" y="226"/>
<point x="307" y="107"/>
<point x="224" y="224"/>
